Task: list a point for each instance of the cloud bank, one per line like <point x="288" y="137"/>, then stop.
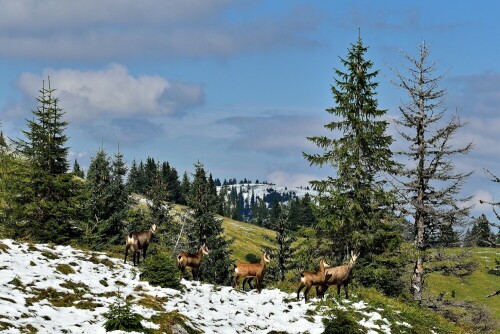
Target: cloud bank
<point x="113" y="92"/>
<point x="125" y="29"/>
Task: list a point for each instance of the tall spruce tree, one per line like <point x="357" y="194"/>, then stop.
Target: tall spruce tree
<point x="46" y="204"/>
<point x="207" y="229"/>
<point x="429" y="184"/>
<point x="352" y="203"/>
<point x="98" y="206"/>
<point x="185" y="189"/>
<point x="133" y="178"/>
<point x="120" y="200"/>
<point x="283" y="240"/>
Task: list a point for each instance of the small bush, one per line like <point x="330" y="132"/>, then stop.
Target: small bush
<point x="161" y="270"/>
<point x="121" y="317"/>
<point x="341" y="323"/>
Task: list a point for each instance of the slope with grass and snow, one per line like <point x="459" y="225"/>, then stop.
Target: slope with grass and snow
<point x="59" y="289"/>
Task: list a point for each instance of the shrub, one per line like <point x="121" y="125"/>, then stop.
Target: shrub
<point x="161" y="270"/>
<point x="121" y="317"/>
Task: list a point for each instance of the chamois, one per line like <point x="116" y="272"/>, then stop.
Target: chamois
<point x="137" y="241"/>
<point x="339" y="276"/>
<point x="250" y="270"/>
<point x="308" y="279"/>
<point x="191" y="260"/>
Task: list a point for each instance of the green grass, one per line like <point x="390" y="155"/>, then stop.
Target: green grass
<point x="248" y="238"/>
<point x="473" y="287"/>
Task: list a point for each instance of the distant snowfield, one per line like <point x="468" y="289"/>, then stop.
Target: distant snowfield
<point x="211" y="309"/>
<point x="261" y="190"/>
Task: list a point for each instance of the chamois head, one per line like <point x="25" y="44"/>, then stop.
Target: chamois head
<point x="204" y="249"/>
<point x="266" y="257"/>
<point x="153" y="228"/>
<point x="353" y="258"/>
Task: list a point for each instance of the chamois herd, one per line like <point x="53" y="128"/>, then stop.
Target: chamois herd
<point x="321" y="280"/>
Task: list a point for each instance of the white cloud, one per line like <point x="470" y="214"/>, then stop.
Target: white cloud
<point x="124" y="29"/>
<point x="282" y="178"/>
<point x="114" y="92"/>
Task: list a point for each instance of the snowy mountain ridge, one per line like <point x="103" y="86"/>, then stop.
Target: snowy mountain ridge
<point x="263" y="189"/>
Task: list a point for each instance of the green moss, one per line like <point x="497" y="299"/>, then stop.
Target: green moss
<point x="104" y="282"/>
<point x="4" y="248"/>
<point x="168" y="321"/>
<point x="105" y="261"/>
<point x="151" y="302"/>
<point x="8" y="300"/>
<point x="32" y="248"/>
<point x="6" y="325"/>
<point x="65" y="269"/>
<point x="49" y="255"/>
<point x="342" y="322"/>
<point x="16" y="281"/>
<point x="120" y="283"/>
<point x="76" y="287"/>
<point x="88" y="305"/>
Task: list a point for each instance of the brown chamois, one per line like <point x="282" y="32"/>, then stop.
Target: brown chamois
<point x="309" y="279"/>
<point x="250" y="270"/>
<point x="192" y="260"/>
<point x="139" y="241"/>
<point x="339" y="276"/>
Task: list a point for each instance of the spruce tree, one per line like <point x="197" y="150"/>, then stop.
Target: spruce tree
<point x="98" y="206"/>
<point x="133" y="178"/>
<point x="185" y="189"/>
<point x="353" y="203"/>
<point x="428" y="186"/>
<point x="46" y="204"/>
<point x="283" y="240"/>
<point x="77" y="171"/>
<point x="481" y="234"/>
<point x="207" y="229"/>
<point x="120" y="201"/>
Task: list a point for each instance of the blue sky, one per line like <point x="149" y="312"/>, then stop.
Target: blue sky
<point x="239" y="85"/>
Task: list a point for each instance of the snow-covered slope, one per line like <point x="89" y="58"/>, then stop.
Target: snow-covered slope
<point x="261" y="190"/>
<point x="36" y="291"/>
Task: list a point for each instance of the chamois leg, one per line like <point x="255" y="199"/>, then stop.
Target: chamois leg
<point x="236" y="282"/>
<point x="258" y="283"/>
<point x="338" y="289"/>
<point x="346" y="289"/>
<point x="247" y="280"/>
<point x="194" y="271"/>
<point x="181" y="273"/>
<point x="306" y="292"/>
<point x="145" y="248"/>
<point x="320" y="291"/>
<point x="301" y="286"/>
<point x="126" y="252"/>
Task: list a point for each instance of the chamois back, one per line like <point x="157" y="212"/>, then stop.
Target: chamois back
<point x="191" y="260"/>
<point x="339" y="276"/>
<point x="242" y="269"/>
<point x="138" y="241"/>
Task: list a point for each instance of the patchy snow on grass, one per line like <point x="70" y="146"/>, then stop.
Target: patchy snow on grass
<point x="59" y="289"/>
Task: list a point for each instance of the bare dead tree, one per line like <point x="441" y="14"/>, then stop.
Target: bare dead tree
<point x="494" y="205"/>
<point x="428" y="183"/>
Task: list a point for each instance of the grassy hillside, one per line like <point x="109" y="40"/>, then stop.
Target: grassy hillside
<point x="247" y="238"/>
<point x="472" y="287"/>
